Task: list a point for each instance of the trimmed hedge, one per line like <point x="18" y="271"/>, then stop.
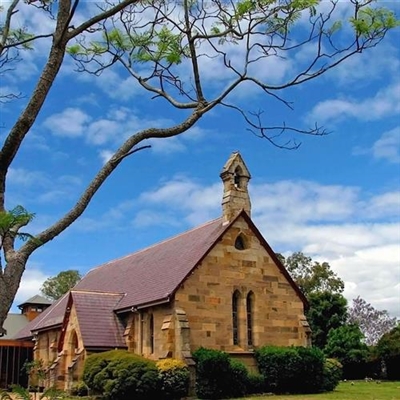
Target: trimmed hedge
<point x="291" y="369"/>
<point x="120" y="375"/>
<point x="218" y="376"/>
<point x="174" y="378"/>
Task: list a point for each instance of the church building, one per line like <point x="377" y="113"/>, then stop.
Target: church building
<point x="218" y="285"/>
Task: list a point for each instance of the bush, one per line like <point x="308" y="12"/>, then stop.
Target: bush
<point x="291" y="369"/>
<point x="218" y="376"/>
<point x="79" y="389"/>
<point x="120" y="375"/>
<point x="174" y="378"/>
<point x="332" y="374"/>
<point x="255" y="384"/>
<point x="346" y="344"/>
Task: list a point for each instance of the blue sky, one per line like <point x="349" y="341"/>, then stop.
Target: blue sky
<point x="336" y="198"/>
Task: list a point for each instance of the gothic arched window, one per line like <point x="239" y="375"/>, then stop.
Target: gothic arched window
<point x="151" y="333"/>
<point x="235" y="316"/>
<point x="250" y="317"/>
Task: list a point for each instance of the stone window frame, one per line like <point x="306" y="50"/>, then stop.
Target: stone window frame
<point x="241" y="242"/>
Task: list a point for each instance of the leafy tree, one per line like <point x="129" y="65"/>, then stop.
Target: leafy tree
<point x="162" y="45"/>
<point x="56" y="286"/>
<point x="388" y="349"/>
<point x="327" y="311"/>
<point x="372" y="322"/>
<point x="312" y="276"/>
<point x="346" y="343"/>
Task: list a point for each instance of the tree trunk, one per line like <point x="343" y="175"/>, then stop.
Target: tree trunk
<point x="9" y="284"/>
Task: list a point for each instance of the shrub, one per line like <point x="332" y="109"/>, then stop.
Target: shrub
<point x="332" y="374"/>
<point x="174" y="378"/>
<point x="291" y="369"/>
<point x="346" y="344"/>
<point x="218" y="376"/>
<point x="79" y="389"/>
<point x="120" y="375"/>
<point x="255" y="384"/>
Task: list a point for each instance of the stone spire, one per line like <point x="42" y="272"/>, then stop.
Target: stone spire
<point x="235" y="177"/>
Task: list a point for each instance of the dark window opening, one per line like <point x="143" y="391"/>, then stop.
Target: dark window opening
<point x="235" y="317"/>
<point x="237" y="177"/>
<point x="240" y="243"/>
<point x="249" y="312"/>
<point x="151" y="333"/>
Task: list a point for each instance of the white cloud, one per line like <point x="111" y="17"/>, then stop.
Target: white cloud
<point x="385" y="103"/>
<point x="388" y="146"/>
<point x="71" y="122"/>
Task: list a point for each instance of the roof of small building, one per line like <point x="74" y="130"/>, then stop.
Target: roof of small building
<point x="13" y="324"/>
<point x="50" y="317"/>
<point x="37" y="300"/>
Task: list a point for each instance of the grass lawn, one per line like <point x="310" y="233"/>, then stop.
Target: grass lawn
<point x="360" y="390"/>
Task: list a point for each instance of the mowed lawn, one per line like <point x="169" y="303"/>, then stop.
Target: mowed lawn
<point x="359" y="390"/>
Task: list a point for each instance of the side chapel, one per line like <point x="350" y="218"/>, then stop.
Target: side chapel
<point x="218" y="285"/>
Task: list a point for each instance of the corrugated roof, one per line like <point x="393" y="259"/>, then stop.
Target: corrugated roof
<point x="153" y="274"/>
<point x="98" y="324"/>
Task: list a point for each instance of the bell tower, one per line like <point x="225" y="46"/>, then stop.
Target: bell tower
<point x="235" y="177"/>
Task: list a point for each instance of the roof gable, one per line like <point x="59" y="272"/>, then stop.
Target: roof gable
<point x="99" y="326"/>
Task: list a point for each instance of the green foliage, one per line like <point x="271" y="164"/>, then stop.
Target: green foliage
<point x="373" y="22"/>
<point x="218" y="376"/>
<point x="388" y="348"/>
<point x="312" y="276"/>
<point x="11" y="221"/>
<point x="174" y="378"/>
<point x="332" y="374"/>
<point x="291" y="369"/>
<point x="56" y="286"/>
<point x="21" y="393"/>
<point x="79" y="389"/>
<point x="346" y="344"/>
<point x="121" y="375"/>
<point x="327" y="311"/>
<point x="255" y="383"/>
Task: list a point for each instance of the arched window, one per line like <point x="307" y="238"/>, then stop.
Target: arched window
<point x="151" y="333"/>
<point x="235" y="316"/>
<point x="240" y="242"/>
<point x="250" y="317"/>
<point x="237" y="176"/>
